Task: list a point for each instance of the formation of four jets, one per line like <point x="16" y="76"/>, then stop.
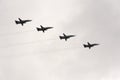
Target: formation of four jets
<point x="43" y="29"/>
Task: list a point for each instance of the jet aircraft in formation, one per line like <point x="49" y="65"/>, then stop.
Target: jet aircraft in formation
<point x="22" y="22"/>
<point x="88" y="45"/>
<point x="43" y="29"/>
<point x="66" y="36"/>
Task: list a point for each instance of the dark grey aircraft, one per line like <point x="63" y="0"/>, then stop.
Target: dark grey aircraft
<point x="21" y="21"/>
<point x="89" y="45"/>
<point x="66" y="36"/>
<point x="43" y="29"/>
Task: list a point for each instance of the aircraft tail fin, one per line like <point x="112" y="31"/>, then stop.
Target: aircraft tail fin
<point x="17" y="22"/>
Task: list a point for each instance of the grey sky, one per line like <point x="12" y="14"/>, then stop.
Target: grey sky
<point x="26" y="54"/>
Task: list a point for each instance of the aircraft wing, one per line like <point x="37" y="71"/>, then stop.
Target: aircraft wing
<point x="22" y="24"/>
<point x="20" y="19"/>
<point x="65" y="39"/>
<point x="64" y="34"/>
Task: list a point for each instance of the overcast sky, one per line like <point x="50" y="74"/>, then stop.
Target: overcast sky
<point x="26" y="54"/>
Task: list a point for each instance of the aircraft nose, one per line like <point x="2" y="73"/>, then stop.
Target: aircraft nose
<point x="51" y="27"/>
<point x="73" y="35"/>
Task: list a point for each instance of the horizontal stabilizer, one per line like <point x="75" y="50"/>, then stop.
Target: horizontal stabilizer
<point x="17" y="22"/>
<point x="60" y="37"/>
<point x="84" y="45"/>
<point x="38" y="29"/>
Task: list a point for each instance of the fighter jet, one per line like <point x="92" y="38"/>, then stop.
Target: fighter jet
<point x="89" y="45"/>
<point x="21" y="21"/>
<point x="66" y="36"/>
<point x="43" y="29"/>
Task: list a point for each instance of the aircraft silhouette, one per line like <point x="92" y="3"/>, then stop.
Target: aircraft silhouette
<point x="22" y="22"/>
<point x="66" y="36"/>
<point x="89" y="45"/>
<point x="43" y="29"/>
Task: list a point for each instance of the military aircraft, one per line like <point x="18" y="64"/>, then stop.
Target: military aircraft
<point x="21" y="21"/>
<point x="66" y="36"/>
<point x="43" y="28"/>
<point x="89" y="45"/>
